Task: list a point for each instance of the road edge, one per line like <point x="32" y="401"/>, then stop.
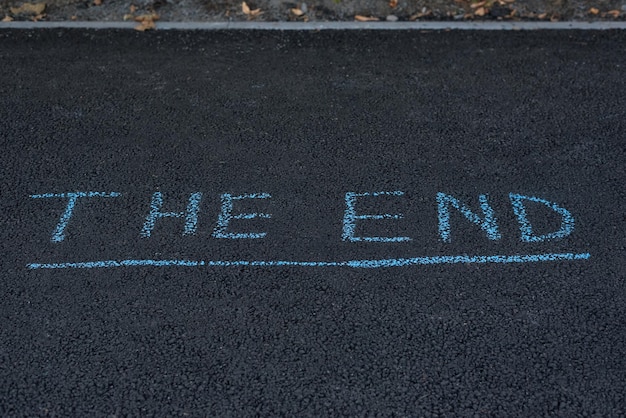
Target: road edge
<point x="319" y="26"/>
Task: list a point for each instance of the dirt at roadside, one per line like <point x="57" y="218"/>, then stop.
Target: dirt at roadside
<point x="311" y="10"/>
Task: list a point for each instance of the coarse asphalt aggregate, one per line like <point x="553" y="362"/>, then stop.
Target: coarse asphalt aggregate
<point x="312" y="223"/>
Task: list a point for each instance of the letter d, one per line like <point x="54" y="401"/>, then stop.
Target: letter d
<point x="567" y="220"/>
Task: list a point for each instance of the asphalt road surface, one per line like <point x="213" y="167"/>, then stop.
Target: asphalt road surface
<point x="312" y="223"/>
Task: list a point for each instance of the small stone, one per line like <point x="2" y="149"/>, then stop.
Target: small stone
<point x="392" y="18"/>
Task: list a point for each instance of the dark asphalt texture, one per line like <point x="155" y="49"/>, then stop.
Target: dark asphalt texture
<point x="307" y="117"/>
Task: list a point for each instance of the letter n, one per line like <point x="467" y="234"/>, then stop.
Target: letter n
<point x="487" y="223"/>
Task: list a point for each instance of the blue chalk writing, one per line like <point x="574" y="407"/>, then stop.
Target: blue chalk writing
<point x="58" y="234"/>
<point x="567" y="222"/>
<point x="393" y="262"/>
<point x="190" y="214"/>
<point x="226" y="215"/>
<point x="350" y="217"/>
<point x="488" y="224"/>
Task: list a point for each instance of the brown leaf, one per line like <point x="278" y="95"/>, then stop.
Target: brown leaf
<point x="29" y="9"/>
<point x="250" y="13"/>
<point x="542" y="16"/>
<point x="365" y="18"/>
<point x="147" y="18"/>
<point x="477" y="5"/>
<point x="144" y="26"/>
<point x="296" y="11"/>
<point x="481" y="11"/>
<point x="614" y="13"/>
<point x="594" y="11"/>
<point x="146" y="22"/>
<point x="424" y="13"/>
<point x="393" y="3"/>
<point x="97" y="2"/>
<point x="7" y="18"/>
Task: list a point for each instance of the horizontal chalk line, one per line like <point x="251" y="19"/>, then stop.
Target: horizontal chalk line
<point x="389" y="262"/>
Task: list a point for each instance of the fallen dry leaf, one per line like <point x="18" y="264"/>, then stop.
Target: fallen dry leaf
<point x="393" y="3"/>
<point x="248" y="12"/>
<point x="542" y="16"/>
<point x="146" y="22"/>
<point x="29" y="9"/>
<point x="143" y="18"/>
<point x="477" y="5"/>
<point x="614" y="13"/>
<point x="594" y="11"/>
<point x="423" y="13"/>
<point x="296" y="11"/>
<point x="7" y="18"/>
<point x="365" y="18"/>
<point x="481" y="11"/>
<point x="145" y="25"/>
<point x="97" y="2"/>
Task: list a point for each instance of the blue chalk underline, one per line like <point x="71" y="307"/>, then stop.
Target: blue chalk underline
<point x="389" y="262"/>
